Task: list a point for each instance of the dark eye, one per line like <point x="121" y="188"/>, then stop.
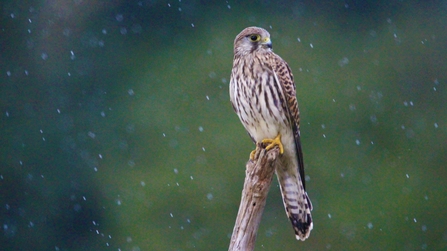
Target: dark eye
<point x="255" y="38"/>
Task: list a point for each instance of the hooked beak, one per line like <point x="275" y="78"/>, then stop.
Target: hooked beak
<point x="267" y="42"/>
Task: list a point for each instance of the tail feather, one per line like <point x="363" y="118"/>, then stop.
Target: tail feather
<point x="296" y="202"/>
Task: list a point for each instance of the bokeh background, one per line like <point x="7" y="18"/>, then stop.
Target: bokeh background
<point x="117" y="132"/>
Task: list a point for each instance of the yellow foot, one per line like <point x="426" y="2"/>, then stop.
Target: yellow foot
<point x="270" y="143"/>
<point x="252" y="154"/>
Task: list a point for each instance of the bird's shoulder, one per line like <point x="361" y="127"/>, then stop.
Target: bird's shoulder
<point x="286" y="80"/>
<point x="282" y="70"/>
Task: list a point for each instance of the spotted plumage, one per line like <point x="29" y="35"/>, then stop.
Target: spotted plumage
<point x="262" y="92"/>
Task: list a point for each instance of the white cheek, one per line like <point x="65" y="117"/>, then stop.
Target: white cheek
<point x="247" y="46"/>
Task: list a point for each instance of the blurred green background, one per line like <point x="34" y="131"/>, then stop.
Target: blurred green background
<point x="117" y="132"/>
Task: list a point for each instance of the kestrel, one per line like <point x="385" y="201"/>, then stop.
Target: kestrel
<point x="262" y="92"/>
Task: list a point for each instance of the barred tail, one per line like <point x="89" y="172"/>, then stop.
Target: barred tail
<point x="296" y="202"/>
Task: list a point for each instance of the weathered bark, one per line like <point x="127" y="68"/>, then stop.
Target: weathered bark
<point x="258" y="177"/>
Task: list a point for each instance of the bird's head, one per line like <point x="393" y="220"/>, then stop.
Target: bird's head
<point x="252" y="39"/>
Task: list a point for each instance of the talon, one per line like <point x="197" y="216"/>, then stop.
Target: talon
<point x="252" y="154"/>
<point x="270" y="143"/>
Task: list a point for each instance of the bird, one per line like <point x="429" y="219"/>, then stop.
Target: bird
<point x="263" y="95"/>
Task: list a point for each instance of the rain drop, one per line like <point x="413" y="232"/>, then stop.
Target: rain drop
<point x="119" y="17"/>
<point x="344" y="61"/>
<point x="209" y="196"/>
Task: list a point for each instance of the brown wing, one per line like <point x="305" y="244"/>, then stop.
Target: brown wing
<point x="285" y="78"/>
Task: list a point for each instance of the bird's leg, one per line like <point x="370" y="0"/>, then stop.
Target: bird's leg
<point x="270" y="143"/>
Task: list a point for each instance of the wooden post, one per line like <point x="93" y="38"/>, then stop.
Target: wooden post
<point x="258" y="177"/>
